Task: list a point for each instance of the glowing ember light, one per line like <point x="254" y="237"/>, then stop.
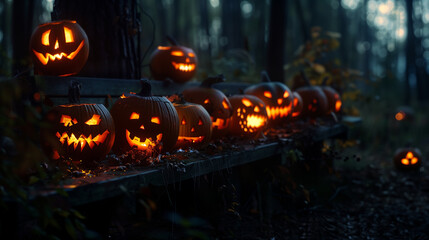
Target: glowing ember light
<point x="400" y="116"/>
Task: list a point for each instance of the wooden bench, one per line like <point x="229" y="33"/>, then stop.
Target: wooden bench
<point x="87" y="189"/>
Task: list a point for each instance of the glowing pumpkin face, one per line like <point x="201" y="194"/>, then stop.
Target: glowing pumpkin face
<point x="85" y="132"/>
<point x="59" y="48"/>
<point x="408" y="159"/>
<point x="314" y="101"/>
<point x="215" y="102"/>
<point x="277" y="98"/>
<point x="147" y="123"/>
<point x="249" y="116"/>
<point x="195" y="125"/>
<point x="175" y="62"/>
<point x="334" y="100"/>
<point x="298" y="105"/>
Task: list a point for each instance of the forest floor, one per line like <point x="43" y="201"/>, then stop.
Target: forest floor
<point x="364" y="199"/>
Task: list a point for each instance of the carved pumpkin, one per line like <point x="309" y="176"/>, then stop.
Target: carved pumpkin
<point x="298" y="105"/>
<point x="276" y="96"/>
<point x="175" y="62"/>
<point x="314" y="100"/>
<point x="408" y="158"/>
<point x="195" y="125"/>
<point x="214" y="101"/>
<point x="249" y="116"/>
<point x="82" y="132"/>
<point x="334" y="100"/>
<point x="59" y="48"/>
<point x="144" y="122"/>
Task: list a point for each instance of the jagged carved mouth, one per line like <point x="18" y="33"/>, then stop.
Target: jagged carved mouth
<point x="190" y="139"/>
<point x="219" y="123"/>
<point x="82" y="140"/>
<point x="184" y="67"/>
<point x="44" y="59"/>
<point x="279" y="112"/>
<point x="142" y="145"/>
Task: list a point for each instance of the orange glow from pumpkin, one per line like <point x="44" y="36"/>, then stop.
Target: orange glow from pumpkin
<point x="200" y="123"/>
<point x="155" y="120"/>
<point x="409" y="159"/>
<point x="246" y="102"/>
<point x="219" y="123"/>
<point x="177" y="53"/>
<point x="190" y="139"/>
<point x="184" y="67"/>
<point x="278" y="112"/>
<point x="268" y="94"/>
<point x="134" y="115"/>
<point x="338" y="105"/>
<point x="68" y="34"/>
<point x="163" y="48"/>
<point x="256" y="109"/>
<point x="206" y="101"/>
<point x="44" y="59"/>
<point x="45" y="38"/>
<point x="286" y="94"/>
<point x="95" y="120"/>
<point x="191" y="54"/>
<point x="82" y="140"/>
<point x="225" y="104"/>
<point x="255" y="121"/>
<point x="279" y="101"/>
<point x="400" y="116"/>
<point x="183" y="121"/>
<point x="67" y="120"/>
<point x="142" y="145"/>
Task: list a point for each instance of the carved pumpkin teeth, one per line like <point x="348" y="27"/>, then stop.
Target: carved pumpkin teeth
<point x="44" y="59"/>
<point x="82" y="140"/>
<point x="140" y="144"/>
<point x="184" y="67"/>
<point x="279" y="112"/>
<point x="191" y="139"/>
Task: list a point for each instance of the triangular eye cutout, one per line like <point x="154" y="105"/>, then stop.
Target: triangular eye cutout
<point x="183" y="122"/>
<point x="200" y="122"/>
<point x="286" y="94"/>
<point x="207" y="101"/>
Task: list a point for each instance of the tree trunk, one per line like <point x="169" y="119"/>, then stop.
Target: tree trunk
<point x="231" y="23"/>
<point x="276" y="40"/>
<point x="112" y="28"/>
<point x="22" y="24"/>
<point x="410" y="52"/>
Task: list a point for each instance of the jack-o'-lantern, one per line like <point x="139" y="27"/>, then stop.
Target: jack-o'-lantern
<point x="334" y="100"/>
<point x="276" y="96"/>
<point x="81" y="132"/>
<point x="249" y="117"/>
<point x="144" y="122"/>
<point x="59" y="48"/>
<point x="176" y="62"/>
<point x="408" y="158"/>
<point x="195" y="125"/>
<point x="314" y="100"/>
<point x="214" y="101"/>
<point x="298" y="105"/>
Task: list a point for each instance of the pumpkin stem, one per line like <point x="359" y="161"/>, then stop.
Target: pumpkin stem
<point x="325" y="80"/>
<point x="74" y="91"/>
<point x="212" y="80"/>
<point x="265" y="77"/>
<point x="146" y="90"/>
<point x="172" y="40"/>
<point x="306" y="80"/>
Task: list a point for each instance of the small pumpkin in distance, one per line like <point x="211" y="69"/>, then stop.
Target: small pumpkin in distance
<point x="84" y="132"/>
<point x="176" y="62"/>
<point x="249" y="117"/>
<point x="59" y="48"/>
<point x="195" y="125"/>
<point x="214" y="101"/>
<point x="276" y="96"/>
<point x="334" y="99"/>
<point x="407" y="158"/>
<point x="144" y="122"/>
<point x="314" y="100"/>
